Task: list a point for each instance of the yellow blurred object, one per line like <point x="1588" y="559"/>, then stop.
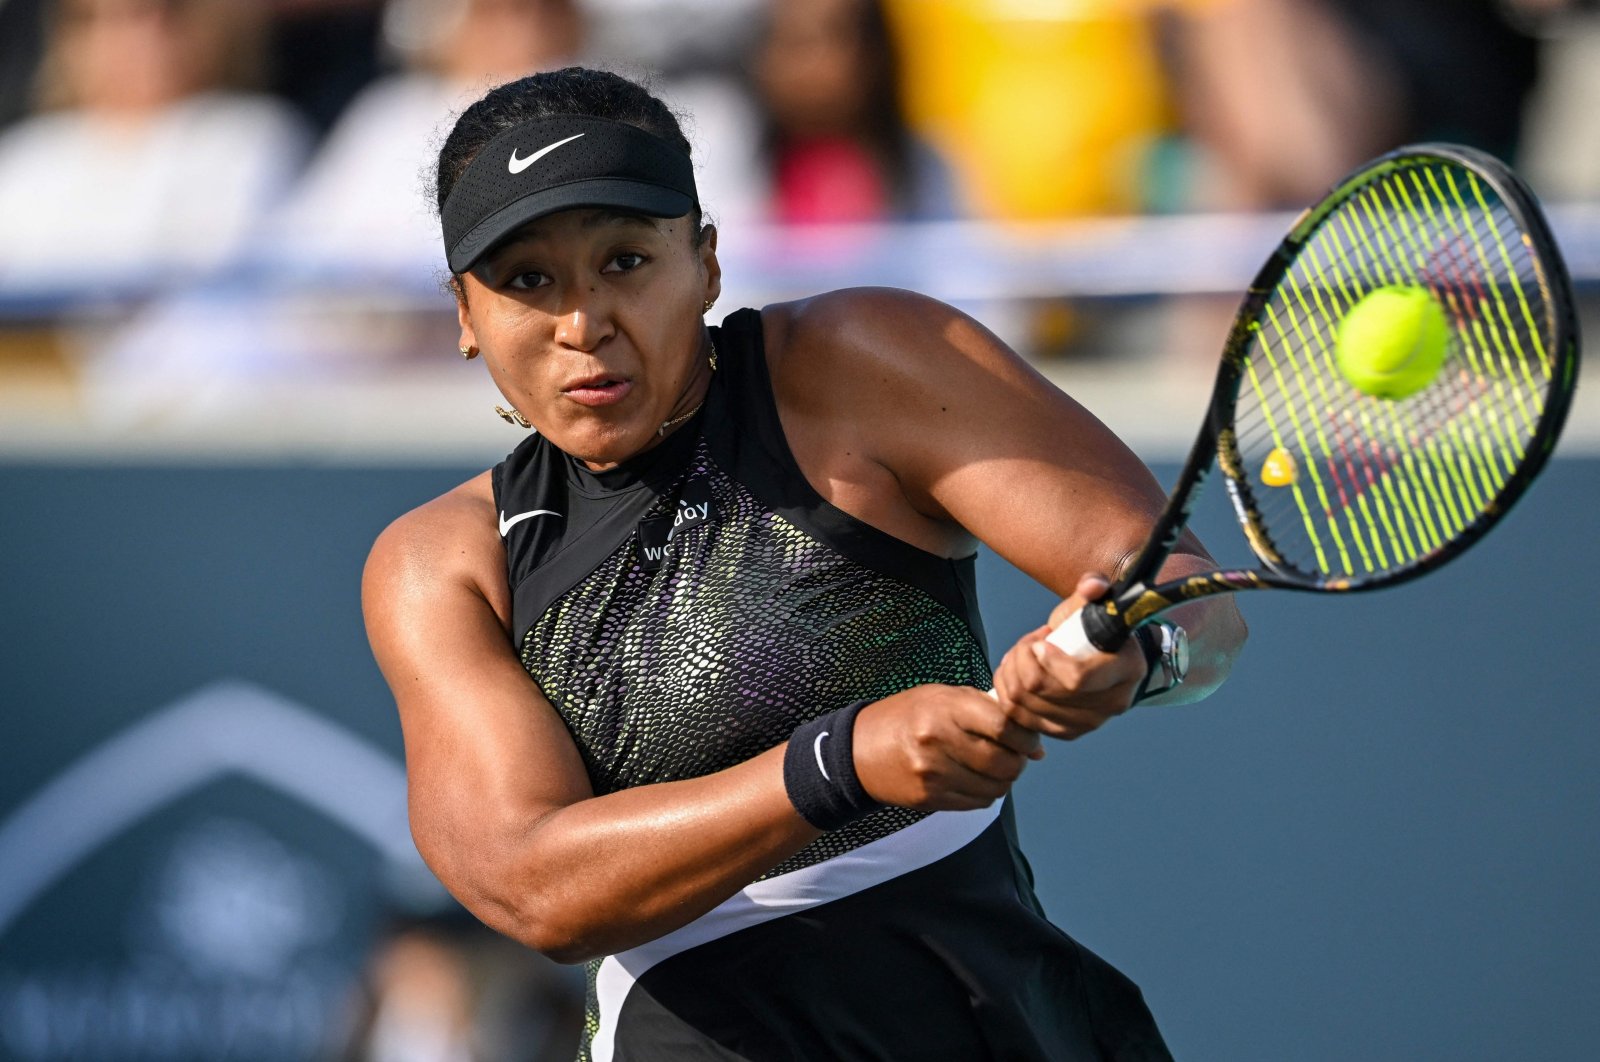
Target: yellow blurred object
<point x="1279" y="469"/>
<point x="1047" y="107"/>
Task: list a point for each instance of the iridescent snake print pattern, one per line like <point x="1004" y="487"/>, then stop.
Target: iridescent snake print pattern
<point x="685" y="612"/>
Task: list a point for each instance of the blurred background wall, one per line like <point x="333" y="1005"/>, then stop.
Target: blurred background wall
<point x="226" y="362"/>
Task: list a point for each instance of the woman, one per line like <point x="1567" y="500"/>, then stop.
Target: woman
<point x="358" y="199"/>
<point x="149" y="161"/>
<point x="754" y="781"/>
<point x="838" y="148"/>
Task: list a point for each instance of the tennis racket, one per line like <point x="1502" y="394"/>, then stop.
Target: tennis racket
<point x="1337" y="490"/>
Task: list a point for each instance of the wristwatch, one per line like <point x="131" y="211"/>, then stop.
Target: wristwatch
<point x="1166" y="656"/>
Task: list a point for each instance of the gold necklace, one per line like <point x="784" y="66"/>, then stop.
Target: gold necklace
<point x="668" y="425"/>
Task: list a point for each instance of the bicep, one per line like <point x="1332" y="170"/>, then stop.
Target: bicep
<point x="486" y="755"/>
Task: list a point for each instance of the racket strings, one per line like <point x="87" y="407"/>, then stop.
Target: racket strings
<point x="1346" y="485"/>
<point x="1389" y="269"/>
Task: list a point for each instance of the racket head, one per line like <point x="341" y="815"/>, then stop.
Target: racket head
<point x="1339" y="490"/>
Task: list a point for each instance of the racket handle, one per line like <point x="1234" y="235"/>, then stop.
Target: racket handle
<point x="1087" y="631"/>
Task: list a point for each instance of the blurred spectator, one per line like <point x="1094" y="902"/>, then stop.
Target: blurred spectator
<point x="675" y="38"/>
<point x="1465" y="67"/>
<point x="323" y="52"/>
<point x="145" y="165"/>
<point x="1561" y="147"/>
<point x="21" y="35"/>
<point x="1285" y="96"/>
<point x="1281" y="97"/>
<point x="363" y="201"/>
<point x="838" y="147"/>
<point x="447" y="989"/>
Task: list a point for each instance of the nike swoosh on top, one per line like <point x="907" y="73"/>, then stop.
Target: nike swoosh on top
<point x="816" y="747"/>
<point x="516" y="165"/>
<point x="507" y="525"/>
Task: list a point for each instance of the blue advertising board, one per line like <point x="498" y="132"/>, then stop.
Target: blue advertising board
<point x="1377" y="841"/>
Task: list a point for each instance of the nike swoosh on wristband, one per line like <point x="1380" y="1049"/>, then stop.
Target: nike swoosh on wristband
<point x="516" y="165"/>
<point x="507" y="525"/>
<point x="816" y="748"/>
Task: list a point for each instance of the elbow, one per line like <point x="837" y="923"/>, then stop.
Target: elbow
<point x="566" y="948"/>
<point x="532" y="923"/>
<point x="1226" y="634"/>
<point x="504" y="896"/>
<point x="557" y="939"/>
<point x="1241" y="634"/>
<point x="1233" y="633"/>
<point x="496" y="877"/>
<point x="1217" y="637"/>
<point x="534" y="917"/>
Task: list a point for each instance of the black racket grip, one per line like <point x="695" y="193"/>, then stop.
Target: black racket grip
<point x="1105" y="631"/>
<point x="1089" y="630"/>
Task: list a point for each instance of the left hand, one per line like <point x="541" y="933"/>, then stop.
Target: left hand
<point x="1042" y="688"/>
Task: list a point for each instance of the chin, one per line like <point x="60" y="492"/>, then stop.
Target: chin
<point x="605" y="444"/>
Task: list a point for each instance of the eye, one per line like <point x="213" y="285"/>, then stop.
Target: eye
<point x="527" y="281"/>
<point x="626" y="262"/>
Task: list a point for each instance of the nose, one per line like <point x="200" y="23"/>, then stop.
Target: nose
<point x="583" y="322"/>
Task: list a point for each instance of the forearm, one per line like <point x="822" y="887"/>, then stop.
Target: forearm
<point x="1216" y="633"/>
<point x="1215" y="629"/>
<point x="611" y="872"/>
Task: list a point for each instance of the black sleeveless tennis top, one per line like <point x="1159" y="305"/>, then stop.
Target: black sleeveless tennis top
<point x="686" y="611"/>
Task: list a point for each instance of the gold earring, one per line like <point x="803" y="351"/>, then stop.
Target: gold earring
<point x="513" y="417"/>
<point x="709" y="303"/>
<point x="468" y="352"/>
<point x="713" y="358"/>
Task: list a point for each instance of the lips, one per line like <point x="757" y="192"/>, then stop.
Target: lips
<point x="598" y="390"/>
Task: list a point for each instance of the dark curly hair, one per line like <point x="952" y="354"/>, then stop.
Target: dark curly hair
<point x="573" y="90"/>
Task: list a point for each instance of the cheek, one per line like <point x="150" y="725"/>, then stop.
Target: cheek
<point x="687" y="278"/>
<point x="512" y="346"/>
<point x="677" y="304"/>
<point x="505" y="326"/>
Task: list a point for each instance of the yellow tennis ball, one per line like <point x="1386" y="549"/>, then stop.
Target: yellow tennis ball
<point x="1393" y="342"/>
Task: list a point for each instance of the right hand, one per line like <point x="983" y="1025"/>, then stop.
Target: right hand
<point x="1062" y="696"/>
<point x="940" y="748"/>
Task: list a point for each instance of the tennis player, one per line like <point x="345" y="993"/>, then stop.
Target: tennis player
<point x="692" y="683"/>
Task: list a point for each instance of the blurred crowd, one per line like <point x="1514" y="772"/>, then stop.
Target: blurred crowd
<point x="192" y="183"/>
<point x="274" y="154"/>
<point x="148" y="140"/>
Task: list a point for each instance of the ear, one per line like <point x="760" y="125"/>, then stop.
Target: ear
<point x="469" y="337"/>
<point x="708" y="261"/>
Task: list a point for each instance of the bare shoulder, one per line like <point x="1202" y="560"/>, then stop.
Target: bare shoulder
<point x="859" y="330"/>
<point x="449" y="541"/>
<point x="893" y="361"/>
<point x="880" y="393"/>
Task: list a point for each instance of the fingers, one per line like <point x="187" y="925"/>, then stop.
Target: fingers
<point x="966" y="744"/>
<point x="940" y="748"/>
<point x="1044" y="689"/>
<point x="1092" y="586"/>
<point x="954" y="784"/>
<point x="982" y="720"/>
<point x="987" y="759"/>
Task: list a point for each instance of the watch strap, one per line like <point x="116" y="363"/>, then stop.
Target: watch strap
<point x="1150" y="644"/>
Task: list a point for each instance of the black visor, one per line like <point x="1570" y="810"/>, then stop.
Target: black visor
<point x="560" y="163"/>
